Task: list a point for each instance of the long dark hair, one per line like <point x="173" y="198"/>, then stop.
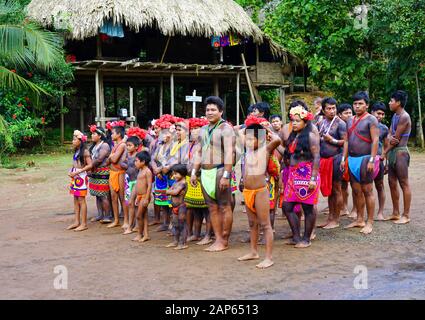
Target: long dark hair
<point x="303" y="142"/>
<point x="82" y="150"/>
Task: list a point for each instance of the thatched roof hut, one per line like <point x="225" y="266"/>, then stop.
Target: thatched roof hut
<point x="183" y="17"/>
<point x="161" y="40"/>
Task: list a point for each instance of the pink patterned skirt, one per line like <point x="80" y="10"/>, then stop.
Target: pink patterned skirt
<point x="296" y="188"/>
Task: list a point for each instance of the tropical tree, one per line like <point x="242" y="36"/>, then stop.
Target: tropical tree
<point x="24" y="45"/>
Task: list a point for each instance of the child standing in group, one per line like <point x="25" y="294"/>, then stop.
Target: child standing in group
<point x="177" y="192"/>
<point x="81" y="163"/>
<point x="143" y="191"/>
<point x="256" y="190"/>
<point x="133" y="144"/>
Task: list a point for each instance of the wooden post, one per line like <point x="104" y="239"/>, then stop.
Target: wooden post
<point x="131" y="106"/>
<point x="291" y="82"/>
<point x="81" y="117"/>
<point x="216" y="87"/>
<point x="238" y="79"/>
<point x="248" y="79"/>
<point x="161" y="97"/>
<point x="172" y="93"/>
<point x="283" y="104"/>
<point x="421" y="133"/>
<point x="101" y="100"/>
<point x="97" y="85"/>
<point x="62" y="119"/>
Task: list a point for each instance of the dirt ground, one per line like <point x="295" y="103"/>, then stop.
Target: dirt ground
<point x="103" y="264"/>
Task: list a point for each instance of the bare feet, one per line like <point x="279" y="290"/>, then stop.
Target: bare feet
<point x="204" y="241"/>
<point x="216" y="247"/>
<point x="313" y="236"/>
<point x="137" y="238"/>
<point x="367" y="229"/>
<point x="181" y="247"/>
<point x="265" y="264"/>
<point x="128" y="231"/>
<point x="125" y="226"/>
<point x="303" y="244"/>
<point x="322" y="225"/>
<point x="355" y="224"/>
<point x="82" y="227"/>
<point x="393" y="217"/>
<point x="171" y="245"/>
<point x="402" y="220"/>
<point x="135" y="229"/>
<point x="152" y="223"/>
<point x="113" y="225"/>
<point x="325" y="211"/>
<point x="144" y="239"/>
<point x="353" y="215"/>
<point x="249" y="256"/>
<point x="72" y="226"/>
<point x="380" y="217"/>
<point x="344" y="212"/>
<point x="331" y="225"/>
<point x="193" y="238"/>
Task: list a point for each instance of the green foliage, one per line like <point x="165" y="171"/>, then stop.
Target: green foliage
<point x="33" y="73"/>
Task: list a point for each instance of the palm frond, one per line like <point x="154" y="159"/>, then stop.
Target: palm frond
<point x="11" y="81"/>
<point x="9" y="7"/>
<point x="28" y="44"/>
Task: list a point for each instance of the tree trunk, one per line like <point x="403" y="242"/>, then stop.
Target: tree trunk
<point x="421" y="133"/>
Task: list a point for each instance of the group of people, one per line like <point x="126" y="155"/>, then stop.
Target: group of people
<point x="187" y="167"/>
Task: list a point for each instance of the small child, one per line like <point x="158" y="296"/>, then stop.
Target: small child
<point x="133" y="144"/>
<point x="177" y="192"/>
<point x="143" y="191"/>
<point x="81" y="163"/>
<point x="256" y="190"/>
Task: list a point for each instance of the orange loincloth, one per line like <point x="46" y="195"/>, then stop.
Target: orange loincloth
<point x="250" y="195"/>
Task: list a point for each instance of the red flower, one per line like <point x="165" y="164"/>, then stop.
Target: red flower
<point x="136" y="131"/>
<point x="109" y="125"/>
<point x="251" y="119"/>
<point x="13" y="70"/>
<point x="14" y="116"/>
<point x="93" y="128"/>
<point x="20" y="105"/>
<point x="27" y="99"/>
<point x="197" y="122"/>
<point x="29" y="74"/>
<point x="43" y="120"/>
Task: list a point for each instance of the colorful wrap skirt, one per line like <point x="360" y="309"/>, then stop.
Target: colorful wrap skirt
<point x="78" y="186"/>
<point x="160" y="188"/>
<point x="128" y="188"/>
<point x="194" y="197"/>
<point x="296" y="188"/>
<point x="99" y="182"/>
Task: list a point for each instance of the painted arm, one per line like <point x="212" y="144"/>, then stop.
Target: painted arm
<point x="175" y="191"/>
<point x="197" y="158"/>
<point x="374" y="135"/>
<point x="114" y="158"/>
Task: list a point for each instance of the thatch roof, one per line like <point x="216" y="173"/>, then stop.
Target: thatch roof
<point x="203" y="18"/>
<point x="185" y="17"/>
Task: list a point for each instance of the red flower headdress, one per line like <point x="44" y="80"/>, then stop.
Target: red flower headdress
<point x="197" y="123"/>
<point x="136" y="131"/>
<point x="110" y="125"/>
<point x="251" y="119"/>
